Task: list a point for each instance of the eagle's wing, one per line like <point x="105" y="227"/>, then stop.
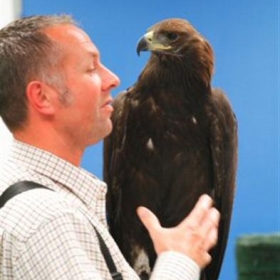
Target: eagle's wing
<point x="112" y="163"/>
<point x="224" y="157"/>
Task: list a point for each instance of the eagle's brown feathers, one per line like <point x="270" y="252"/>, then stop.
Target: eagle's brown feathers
<point x="174" y="138"/>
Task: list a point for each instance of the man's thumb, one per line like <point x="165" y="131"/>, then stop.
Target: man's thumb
<point x="149" y="219"/>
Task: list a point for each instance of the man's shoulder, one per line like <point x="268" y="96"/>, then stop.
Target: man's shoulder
<point x="26" y="213"/>
<point x="12" y="172"/>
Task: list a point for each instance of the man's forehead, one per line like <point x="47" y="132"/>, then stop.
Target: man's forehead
<point x="71" y="35"/>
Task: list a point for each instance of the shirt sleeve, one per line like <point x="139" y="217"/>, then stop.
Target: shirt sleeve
<point x="175" y="266"/>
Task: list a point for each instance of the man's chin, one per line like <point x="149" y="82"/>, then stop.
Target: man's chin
<point x="101" y="134"/>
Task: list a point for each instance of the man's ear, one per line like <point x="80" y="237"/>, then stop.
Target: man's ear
<point x="39" y="96"/>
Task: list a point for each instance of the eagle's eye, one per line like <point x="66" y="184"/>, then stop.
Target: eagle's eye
<point x="171" y="36"/>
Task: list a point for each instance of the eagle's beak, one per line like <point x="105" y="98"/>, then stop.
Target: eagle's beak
<point x="145" y="42"/>
<point x="149" y="43"/>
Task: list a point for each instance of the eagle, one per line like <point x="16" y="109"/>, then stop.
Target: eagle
<point x="174" y="138"/>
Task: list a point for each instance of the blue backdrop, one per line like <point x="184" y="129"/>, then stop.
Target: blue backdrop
<point x="244" y="37"/>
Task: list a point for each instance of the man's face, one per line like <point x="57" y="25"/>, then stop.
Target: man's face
<point x="85" y="117"/>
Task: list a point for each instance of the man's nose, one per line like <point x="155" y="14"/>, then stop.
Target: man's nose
<point x="110" y="80"/>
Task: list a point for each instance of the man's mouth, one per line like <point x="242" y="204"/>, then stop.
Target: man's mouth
<point x="108" y="105"/>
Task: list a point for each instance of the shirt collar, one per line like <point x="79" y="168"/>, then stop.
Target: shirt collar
<point x="82" y="183"/>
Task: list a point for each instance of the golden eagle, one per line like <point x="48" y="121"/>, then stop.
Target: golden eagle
<point x="174" y="138"/>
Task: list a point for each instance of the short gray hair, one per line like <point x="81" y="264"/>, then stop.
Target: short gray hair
<point x="26" y="52"/>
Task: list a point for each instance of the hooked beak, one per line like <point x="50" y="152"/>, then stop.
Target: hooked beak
<point x="149" y="43"/>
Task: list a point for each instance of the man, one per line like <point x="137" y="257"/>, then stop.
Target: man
<point x="55" y="99"/>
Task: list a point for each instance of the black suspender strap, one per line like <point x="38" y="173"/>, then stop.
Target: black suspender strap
<point x="18" y="188"/>
<point x="23" y="186"/>
<point x="107" y="256"/>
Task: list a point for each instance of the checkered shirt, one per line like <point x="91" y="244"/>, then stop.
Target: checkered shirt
<point x="50" y="235"/>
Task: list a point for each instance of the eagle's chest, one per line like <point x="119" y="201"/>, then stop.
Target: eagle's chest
<point x="166" y="130"/>
<point x="170" y="149"/>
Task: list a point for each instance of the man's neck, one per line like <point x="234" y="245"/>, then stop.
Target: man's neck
<point x="55" y="145"/>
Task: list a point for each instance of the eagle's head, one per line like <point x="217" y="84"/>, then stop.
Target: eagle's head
<point x="177" y="41"/>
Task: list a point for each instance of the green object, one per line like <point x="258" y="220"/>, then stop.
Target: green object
<point x="258" y="257"/>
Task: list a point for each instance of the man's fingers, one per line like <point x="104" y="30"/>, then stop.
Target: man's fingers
<point x="210" y="220"/>
<point x="209" y="228"/>
<point x="197" y="214"/>
<point x="149" y="220"/>
<point x="211" y="239"/>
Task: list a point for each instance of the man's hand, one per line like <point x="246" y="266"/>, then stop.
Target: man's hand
<point x="194" y="236"/>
